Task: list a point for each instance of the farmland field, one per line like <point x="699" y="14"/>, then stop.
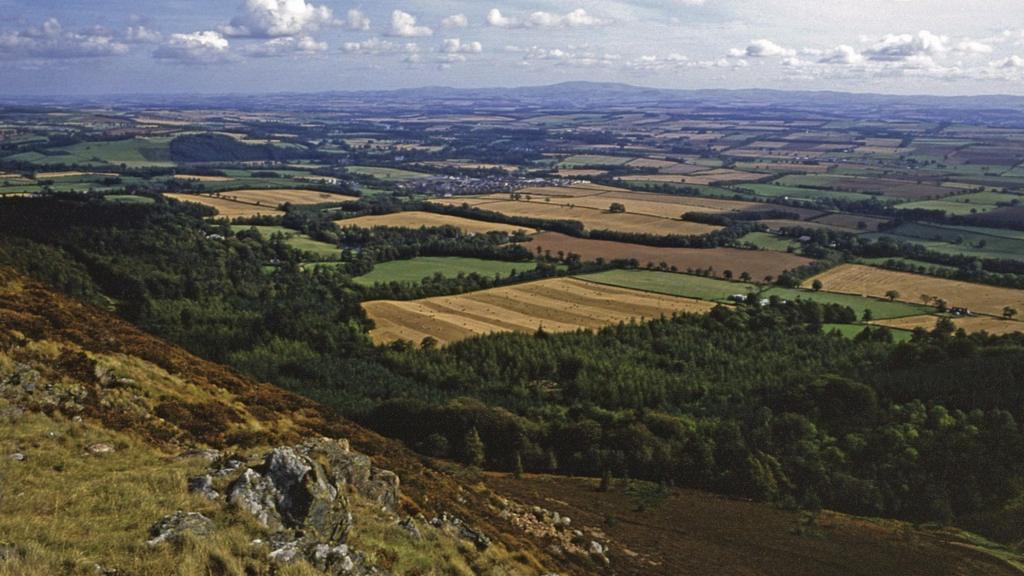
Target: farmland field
<point x="383" y="173"/>
<point x="415" y="219"/>
<point x="778" y="191"/>
<point x="853" y="330"/>
<point x="417" y="269"/>
<point x="276" y="197"/>
<point x="133" y="152"/>
<point x="766" y="241"/>
<point x="593" y="160"/>
<point x="875" y="282"/>
<point x="227" y="208"/>
<point x="295" y="239"/>
<point x="880" y="308"/>
<point x="969" y="324"/>
<point x="671" y="284"/>
<point x="557" y="305"/>
<point x="757" y="263"/>
<point x="591" y="218"/>
<point x="852" y="221"/>
<point x="973" y="241"/>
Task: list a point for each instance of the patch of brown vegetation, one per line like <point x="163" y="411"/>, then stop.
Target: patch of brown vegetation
<point x="676" y="532"/>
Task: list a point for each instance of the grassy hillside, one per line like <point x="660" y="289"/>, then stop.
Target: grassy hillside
<point x="97" y="421"/>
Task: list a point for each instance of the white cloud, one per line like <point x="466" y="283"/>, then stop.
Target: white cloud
<point x="52" y="41"/>
<point x="498" y="20"/>
<point x="278" y="18"/>
<point x="457" y="46"/>
<point x="455" y="21"/>
<point x="142" y="35"/>
<point x="973" y="47"/>
<point x="901" y="47"/>
<point x="843" y="55"/>
<point x="197" y="48"/>
<point x="763" y="48"/>
<point x="404" y="24"/>
<point x="357" y="20"/>
<point x="1010" y="63"/>
<point x="286" y="46"/>
<point x="375" y="45"/>
<point x="540" y="19"/>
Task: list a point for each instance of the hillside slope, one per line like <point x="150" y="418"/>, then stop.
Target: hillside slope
<point x="103" y="428"/>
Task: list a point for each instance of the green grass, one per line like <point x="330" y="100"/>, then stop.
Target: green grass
<point x="584" y="160"/>
<point x="766" y="241"/>
<point x="881" y="262"/>
<point x="128" y="199"/>
<point x="880" y="309"/>
<point x="718" y="290"/>
<point x="778" y="191"/>
<point x="962" y="240"/>
<point x="295" y="239"/>
<point x="416" y="269"/>
<point x="671" y="283"/>
<point x="134" y="152"/>
<point x="389" y="174"/>
<point x="708" y="191"/>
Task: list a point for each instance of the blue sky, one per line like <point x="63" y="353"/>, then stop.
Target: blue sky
<point x="183" y="46"/>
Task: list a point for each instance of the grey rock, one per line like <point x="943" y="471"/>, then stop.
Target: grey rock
<point x="203" y="485"/>
<point x="291" y="491"/>
<point x="409" y="525"/>
<point x="17" y="457"/>
<point x="595" y="547"/>
<point x="173" y="527"/>
<point x="99" y="448"/>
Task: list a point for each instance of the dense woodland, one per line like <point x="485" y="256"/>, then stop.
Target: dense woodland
<point x="754" y="402"/>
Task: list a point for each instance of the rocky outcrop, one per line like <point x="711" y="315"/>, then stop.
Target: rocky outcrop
<point x="563" y="539"/>
<point x="174" y="527"/>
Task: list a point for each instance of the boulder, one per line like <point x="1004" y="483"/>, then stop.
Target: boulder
<point x="347" y="468"/>
<point x="203" y="485"/>
<point x="174" y="527"/>
<point x="290" y="491"/>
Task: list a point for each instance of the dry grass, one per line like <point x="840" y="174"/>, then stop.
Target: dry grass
<point x="704" y="178"/>
<point x="594" y="215"/>
<point x="559" y="305"/>
<point x="228" y="208"/>
<point x="56" y="175"/>
<point x="756" y="263"/>
<point x="875" y="282"/>
<point x="430" y="219"/>
<point x="276" y="197"/>
<point x="200" y="178"/>
<point x="988" y="324"/>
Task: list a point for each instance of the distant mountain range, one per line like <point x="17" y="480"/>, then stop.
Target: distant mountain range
<point x="1001" y="109"/>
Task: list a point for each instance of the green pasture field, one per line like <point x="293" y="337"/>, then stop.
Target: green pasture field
<point x="766" y="241"/>
<point x="880" y="309"/>
<point x="671" y="283"/>
<point x="776" y="191"/>
<point x="969" y="241"/>
<point x="583" y="160"/>
<point x="852" y="330"/>
<point x="389" y="174"/>
<point x="134" y="152"/>
<point x="416" y="269"/>
<point x="295" y="239"/>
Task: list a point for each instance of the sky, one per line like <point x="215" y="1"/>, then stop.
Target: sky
<point x="88" y="47"/>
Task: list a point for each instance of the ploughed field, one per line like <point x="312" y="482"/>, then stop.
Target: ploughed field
<point x="754" y="262"/>
<point x="997" y="326"/>
<point x="556" y="305"/>
<point x="875" y="282"/>
<point x="417" y="220"/>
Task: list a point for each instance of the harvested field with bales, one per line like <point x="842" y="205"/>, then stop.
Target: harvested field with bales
<point x="875" y="282"/>
<point x="757" y="263"/>
<point x="228" y="208"/>
<point x="276" y="197"/>
<point x="430" y="220"/>
<point x="557" y="305"/>
<point x="997" y="326"/>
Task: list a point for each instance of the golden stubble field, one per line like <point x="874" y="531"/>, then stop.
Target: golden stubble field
<point x="417" y="220"/>
<point x="557" y="305"/>
<point x="875" y="282"/>
<point x="278" y="196"/>
<point x="228" y="208"/>
<point x="988" y="324"/>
